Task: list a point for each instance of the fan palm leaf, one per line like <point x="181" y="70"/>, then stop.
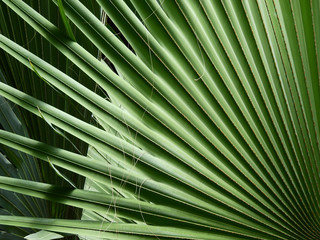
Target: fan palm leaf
<point x="206" y="118"/>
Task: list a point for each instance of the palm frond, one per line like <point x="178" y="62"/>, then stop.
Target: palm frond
<point x="206" y="122"/>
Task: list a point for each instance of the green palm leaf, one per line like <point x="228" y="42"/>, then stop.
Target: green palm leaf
<point x="205" y="117"/>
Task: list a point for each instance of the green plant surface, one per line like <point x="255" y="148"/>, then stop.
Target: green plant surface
<point x="148" y="119"/>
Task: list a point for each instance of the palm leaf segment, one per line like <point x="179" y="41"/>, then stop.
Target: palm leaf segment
<point x="211" y="130"/>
